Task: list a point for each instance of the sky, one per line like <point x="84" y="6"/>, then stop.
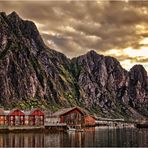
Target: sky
<point x="112" y="28"/>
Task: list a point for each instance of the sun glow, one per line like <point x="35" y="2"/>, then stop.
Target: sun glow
<point x="137" y="54"/>
<point x="143" y="51"/>
<point x="114" y="52"/>
<point x="128" y="65"/>
<point x="144" y="41"/>
<point x="134" y="56"/>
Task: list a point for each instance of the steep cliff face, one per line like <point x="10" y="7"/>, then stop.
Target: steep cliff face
<point x="138" y="89"/>
<point x="102" y="82"/>
<point x="31" y="74"/>
<point x="109" y="89"/>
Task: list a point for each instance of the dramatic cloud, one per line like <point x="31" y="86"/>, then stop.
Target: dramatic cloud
<point x="116" y="28"/>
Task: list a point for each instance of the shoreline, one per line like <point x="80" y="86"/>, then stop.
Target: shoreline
<point x="27" y="129"/>
<point x="54" y="128"/>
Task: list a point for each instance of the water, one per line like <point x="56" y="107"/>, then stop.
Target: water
<point x="93" y="137"/>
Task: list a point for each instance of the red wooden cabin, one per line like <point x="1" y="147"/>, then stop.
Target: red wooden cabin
<point x="71" y="116"/>
<point x="36" y="117"/>
<point x="16" y="117"/>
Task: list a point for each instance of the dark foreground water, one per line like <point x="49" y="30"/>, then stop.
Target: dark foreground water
<point x="93" y="137"/>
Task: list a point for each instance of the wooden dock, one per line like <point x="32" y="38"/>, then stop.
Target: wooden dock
<point x="21" y="128"/>
<point x="55" y="124"/>
<point x="55" y="127"/>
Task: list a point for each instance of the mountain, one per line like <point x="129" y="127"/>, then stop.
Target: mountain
<point x="108" y="88"/>
<point x="32" y="74"/>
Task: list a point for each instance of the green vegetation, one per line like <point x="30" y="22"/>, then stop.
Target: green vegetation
<point x="38" y="69"/>
<point x="66" y="75"/>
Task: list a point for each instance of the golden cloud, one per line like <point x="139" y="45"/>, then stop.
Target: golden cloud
<point x="74" y="27"/>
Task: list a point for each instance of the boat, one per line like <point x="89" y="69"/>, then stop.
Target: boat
<point x="75" y="129"/>
<point x="71" y="129"/>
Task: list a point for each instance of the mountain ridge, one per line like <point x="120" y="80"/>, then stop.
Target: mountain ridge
<point x="31" y="74"/>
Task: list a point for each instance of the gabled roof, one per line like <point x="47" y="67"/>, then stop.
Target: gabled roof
<point x="35" y="109"/>
<point x="22" y="112"/>
<point x="66" y="110"/>
<point x="15" y="109"/>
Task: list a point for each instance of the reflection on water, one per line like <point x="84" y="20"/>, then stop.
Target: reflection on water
<point x="93" y="137"/>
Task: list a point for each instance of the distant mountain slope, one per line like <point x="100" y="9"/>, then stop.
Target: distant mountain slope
<point x="31" y="74"/>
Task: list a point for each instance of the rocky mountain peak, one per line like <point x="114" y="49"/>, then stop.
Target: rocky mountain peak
<point x="138" y="88"/>
<point x="14" y="20"/>
<point x="24" y="29"/>
<point x="14" y="16"/>
<point x="138" y="73"/>
<point x="139" y="69"/>
<point x="91" y="53"/>
<point x="2" y="14"/>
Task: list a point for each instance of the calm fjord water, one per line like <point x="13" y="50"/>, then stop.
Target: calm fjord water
<point x="93" y="137"/>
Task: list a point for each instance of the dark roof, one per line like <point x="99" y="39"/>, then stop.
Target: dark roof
<point x="66" y="110"/>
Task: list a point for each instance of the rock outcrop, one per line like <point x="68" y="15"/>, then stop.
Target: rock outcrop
<point x="31" y="74"/>
<point x="138" y="89"/>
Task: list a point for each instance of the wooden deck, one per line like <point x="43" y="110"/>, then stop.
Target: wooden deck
<point x="55" y="124"/>
<point x="24" y="127"/>
<point x="20" y="127"/>
<point x="47" y="125"/>
<point x="3" y="127"/>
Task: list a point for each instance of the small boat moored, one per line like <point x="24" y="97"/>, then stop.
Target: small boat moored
<point x="75" y="128"/>
<point x="71" y="128"/>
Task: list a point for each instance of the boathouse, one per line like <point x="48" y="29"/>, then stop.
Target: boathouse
<point x="16" y="117"/>
<point x="71" y="116"/>
<point x="36" y="117"/>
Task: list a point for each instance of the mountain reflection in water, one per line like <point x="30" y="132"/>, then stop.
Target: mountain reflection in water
<point x="92" y="137"/>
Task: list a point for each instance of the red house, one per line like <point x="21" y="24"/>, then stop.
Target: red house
<point x="89" y="120"/>
<point x="71" y="116"/>
<point x="16" y="117"/>
<point x="36" y="117"/>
